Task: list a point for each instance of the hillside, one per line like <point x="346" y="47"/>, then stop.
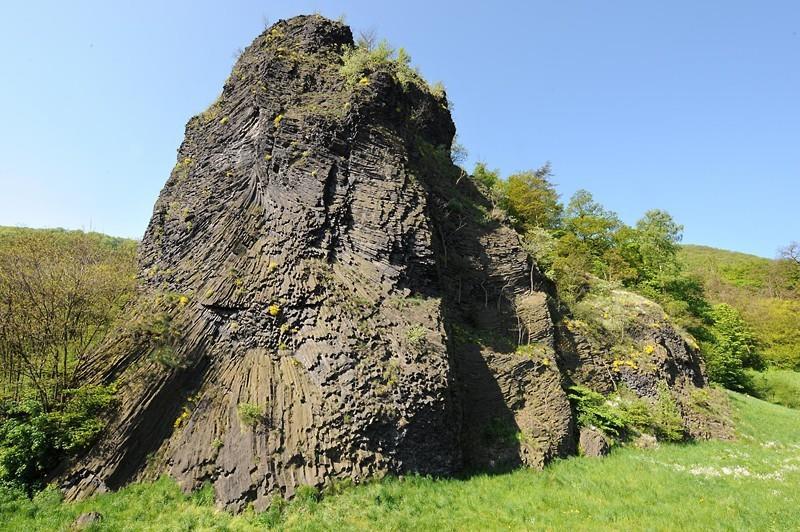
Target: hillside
<point x="766" y="295"/>
<point x="746" y="484"/>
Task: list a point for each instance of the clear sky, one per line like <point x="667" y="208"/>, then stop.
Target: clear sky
<point x="690" y="106"/>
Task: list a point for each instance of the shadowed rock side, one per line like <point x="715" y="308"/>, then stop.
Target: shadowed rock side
<point x="323" y="295"/>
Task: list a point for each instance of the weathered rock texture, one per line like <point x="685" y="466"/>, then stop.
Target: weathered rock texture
<point x="593" y="443"/>
<point x="324" y="295"/>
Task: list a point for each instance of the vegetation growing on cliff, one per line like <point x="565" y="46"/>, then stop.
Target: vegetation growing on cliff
<point x="623" y="415"/>
<point x="582" y="242"/>
<point x="366" y="57"/>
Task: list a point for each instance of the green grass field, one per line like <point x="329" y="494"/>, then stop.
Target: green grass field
<point x="752" y="483"/>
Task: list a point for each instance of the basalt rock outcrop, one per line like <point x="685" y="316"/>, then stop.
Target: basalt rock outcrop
<point x="324" y="295"/>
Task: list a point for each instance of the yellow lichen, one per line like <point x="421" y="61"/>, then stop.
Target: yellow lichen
<point x="274" y="309"/>
<point x="181" y="419"/>
<point x="277" y="120"/>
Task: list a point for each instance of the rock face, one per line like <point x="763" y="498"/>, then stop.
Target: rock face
<point x="323" y="295"/>
<point x="593" y="443"/>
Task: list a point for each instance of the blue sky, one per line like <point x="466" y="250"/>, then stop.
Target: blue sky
<point x="690" y="106"/>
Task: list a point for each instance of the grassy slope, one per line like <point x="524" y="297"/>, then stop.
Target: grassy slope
<point x="752" y="483"/>
<point x="743" y="281"/>
<point x="781" y="387"/>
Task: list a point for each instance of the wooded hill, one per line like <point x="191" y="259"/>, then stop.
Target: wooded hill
<point x="765" y="292"/>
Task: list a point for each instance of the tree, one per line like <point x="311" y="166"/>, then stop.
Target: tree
<point x="791" y="253"/>
<point x="658" y="236"/>
<point x="734" y="348"/>
<point x="594" y="227"/>
<point x="458" y="152"/>
<point x="532" y="199"/>
<point x="483" y="175"/>
<point x="570" y="268"/>
<point x="787" y="271"/>
<point x="490" y="179"/>
<point x="59" y="292"/>
<point x="653" y="251"/>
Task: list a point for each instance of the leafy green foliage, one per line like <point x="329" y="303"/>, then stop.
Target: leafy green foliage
<point x="763" y="291"/>
<point x="733" y="349"/>
<point x="250" y="414"/>
<point x="416" y="334"/>
<point x="623" y="414"/>
<point x="657" y="238"/>
<point x="531" y="199"/>
<point x="594" y="410"/>
<point x="486" y="177"/>
<point x="33" y="440"/>
<point x="61" y="291"/>
<point x="359" y="61"/>
<point x="592" y="229"/>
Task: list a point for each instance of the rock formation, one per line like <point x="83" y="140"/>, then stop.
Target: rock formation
<point x="324" y="295"/>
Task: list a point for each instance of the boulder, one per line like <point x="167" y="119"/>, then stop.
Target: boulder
<point x="86" y="520"/>
<point x="593" y="443"/>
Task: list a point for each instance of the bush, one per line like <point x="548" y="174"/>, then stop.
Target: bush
<point x="624" y="414"/>
<point x="363" y="59"/>
<point x="732" y="350"/>
<point x="594" y="410"/>
<point x="250" y="414"/>
<point x="416" y="334"/>
<point x="33" y="441"/>
<point x="666" y="422"/>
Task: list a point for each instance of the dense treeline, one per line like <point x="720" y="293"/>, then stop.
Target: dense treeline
<point x="581" y="244"/>
<point x="60" y="291"/>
